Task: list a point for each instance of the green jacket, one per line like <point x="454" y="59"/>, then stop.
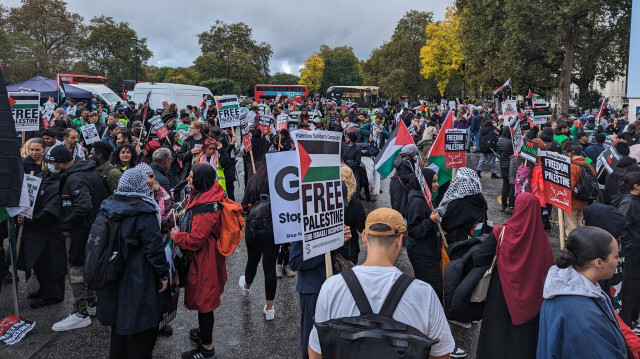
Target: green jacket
<point x="560" y="139"/>
<point x="366" y="130"/>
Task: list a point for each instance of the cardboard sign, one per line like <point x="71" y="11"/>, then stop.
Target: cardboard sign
<point x="541" y="114"/>
<point x="509" y="112"/>
<point x="25" y="108"/>
<point x="609" y="158"/>
<point x="556" y="173"/>
<point x="28" y="196"/>
<point x="264" y="124"/>
<point x="228" y="110"/>
<point x="284" y="189"/>
<point x="321" y="199"/>
<point x="516" y="137"/>
<point x="426" y="187"/>
<point x="529" y="150"/>
<point x="281" y="122"/>
<point x="244" y="130"/>
<point x="161" y="130"/>
<point x="278" y="96"/>
<point x="90" y="133"/>
<point x="525" y="125"/>
<point x="454" y="146"/>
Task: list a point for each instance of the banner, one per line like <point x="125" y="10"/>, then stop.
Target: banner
<point x="228" y="110"/>
<point x="321" y="199"/>
<point x="13" y="329"/>
<point x="244" y="130"/>
<point x="426" y="187"/>
<point x="454" y="146"/>
<point x="609" y="158"/>
<point x="161" y="130"/>
<point x="285" y="196"/>
<point x="90" y="133"/>
<point x="541" y="115"/>
<point x="529" y="150"/>
<point x="509" y="111"/>
<point x="281" y="122"/>
<point x="25" y="108"/>
<point x="556" y="173"/>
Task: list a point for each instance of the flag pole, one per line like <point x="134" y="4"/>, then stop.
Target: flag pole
<point x="14" y="263"/>
<point x="561" y="224"/>
<point x="328" y="268"/>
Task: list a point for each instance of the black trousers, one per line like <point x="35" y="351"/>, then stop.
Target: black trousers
<point x="134" y="346"/>
<point x="230" y="190"/>
<point x="51" y="269"/>
<point x="265" y="249"/>
<point x="283" y="254"/>
<point x="508" y="192"/>
<point x="630" y="294"/>
<point x="425" y="259"/>
<point x="205" y="323"/>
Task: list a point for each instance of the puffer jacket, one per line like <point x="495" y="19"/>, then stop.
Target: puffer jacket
<point x="488" y="139"/>
<point x="629" y="205"/>
<point x="504" y="148"/>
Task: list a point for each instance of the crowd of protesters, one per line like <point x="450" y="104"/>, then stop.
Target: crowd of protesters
<point x="165" y="189"/>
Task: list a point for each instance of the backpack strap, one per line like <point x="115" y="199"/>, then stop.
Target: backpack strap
<point x="357" y="292"/>
<point x="395" y="295"/>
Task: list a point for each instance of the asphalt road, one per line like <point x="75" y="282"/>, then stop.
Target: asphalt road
<point x="240" y="330"/>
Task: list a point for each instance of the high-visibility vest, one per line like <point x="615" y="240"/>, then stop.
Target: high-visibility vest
<point x="220" y="175"/>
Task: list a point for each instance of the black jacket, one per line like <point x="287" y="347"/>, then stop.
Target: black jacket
<point x="613" y="185"/>
<point x="29" y="165"/>
<point x="462" y="215"/>
<point x="504" y="149"/>
<point x="351" y="155"/>
<point x="134" y="305"/>
<point x="224" y="156"/>
<point x="401" y="183"/>
<point x="629" y="205"/>
<point x="161" y="177"/>
<point x="185" y="155"/>
<point x="423" y="232"/>
<point x="488" y="139"/>
<point x="81" y="193"/>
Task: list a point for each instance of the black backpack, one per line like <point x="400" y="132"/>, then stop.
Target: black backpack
<point x="587" y="188"/>
<point x="372" y="335"/>
<point x="259" y="218"/>
<point x="103" y="264"/>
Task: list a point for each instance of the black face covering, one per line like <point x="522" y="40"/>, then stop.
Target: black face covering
<point x="203" y="177"/>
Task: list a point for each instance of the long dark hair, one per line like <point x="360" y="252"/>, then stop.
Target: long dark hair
<point x="115" y="156"/>
<point x="585" y="244"/>
<point x="631" y="179"/>
<point x="258" y="184"/>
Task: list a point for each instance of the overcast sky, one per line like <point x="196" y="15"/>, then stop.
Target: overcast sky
<point x="295" y="29"/>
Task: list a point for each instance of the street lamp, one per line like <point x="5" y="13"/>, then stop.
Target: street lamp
<point x="137" y="42"/>
<point x="226" y="82"/>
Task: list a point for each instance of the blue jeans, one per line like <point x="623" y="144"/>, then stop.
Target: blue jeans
<point x="475" y="136"/>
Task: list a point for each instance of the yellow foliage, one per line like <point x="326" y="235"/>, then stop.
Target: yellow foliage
<point x="311" y="73"/>
<point x="441" y="56"/>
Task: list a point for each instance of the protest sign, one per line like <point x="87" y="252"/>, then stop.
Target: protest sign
<point x="426" y="190"/>
<point x="90" y="133"/>
<point x="25" y="108"/>
<point x="278" y="96"/>
<point x="228" y="110"/>
<point x="609" y="158"/>
<point x="244" y="130"/>
<point x="541" y="114"/>
<point x="281" y="122"/>
<point x="525" y="125"/>
<point x="321" y="200"/>
<point x="452" y="105"/>
<point x="13" y="329"/>
<point x="285" y="196"/>
<point x="264" y="124"/>
<point x="443" y="105"/>
<point x="454" y="146"/>
<point x="509" y="112"/>
<point x="529" y="150"/>
<point x="516" y="137"/>
<point x="28" y="195"/>
<point x="556" y="174"/>
<point x="161" y="130"/>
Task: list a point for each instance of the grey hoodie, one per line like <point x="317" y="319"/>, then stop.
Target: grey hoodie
<point x="568" y="281"/>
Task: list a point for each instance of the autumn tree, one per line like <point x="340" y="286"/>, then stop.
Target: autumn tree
<point x="441" y="56"/>
<point x="311" y="73"/>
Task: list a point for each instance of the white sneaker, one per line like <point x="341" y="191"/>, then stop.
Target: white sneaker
<point x="269" y="314"/>
<point x="244" y="290"/>
<point x="278" y="270"/>
<point x="91" y="310"/>
<point x="460" y="324"/>
<point x="73" y="321"/>
<point x="289" y="272"/>
<point x="458" y="353"/>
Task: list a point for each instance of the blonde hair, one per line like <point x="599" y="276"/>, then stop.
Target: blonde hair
<point x="349" y="180"/>
<point x="25" y="149"/>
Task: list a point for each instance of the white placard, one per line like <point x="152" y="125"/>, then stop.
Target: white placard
<point x="90" y="133"/>
<point x="285" y="196"/>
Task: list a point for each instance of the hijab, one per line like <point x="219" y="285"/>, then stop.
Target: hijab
<point x="523" y="259"/>
<point x="465" y="184"/>
<point x="202" y="157"/>
<point x="204" y="176"/>
<point x="134" y="184"/>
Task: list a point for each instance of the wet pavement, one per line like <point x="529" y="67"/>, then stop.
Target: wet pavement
<point x="240" y="330"/>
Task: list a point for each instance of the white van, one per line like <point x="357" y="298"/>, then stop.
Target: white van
<point x="181" y="95"/>
<point x="102" y="93"/>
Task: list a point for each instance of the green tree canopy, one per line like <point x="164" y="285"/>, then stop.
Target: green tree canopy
<point x="281" y="78"/>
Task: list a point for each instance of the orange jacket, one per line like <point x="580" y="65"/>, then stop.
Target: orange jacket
<point x="575" y="177"/>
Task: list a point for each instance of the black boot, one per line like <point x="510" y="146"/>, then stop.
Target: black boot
<point x="479" y="174"/>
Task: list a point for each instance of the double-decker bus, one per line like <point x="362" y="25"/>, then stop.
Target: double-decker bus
<point x="364" y="96"/>
<point x="271" y="92"/>
<point x="83" y="79"/>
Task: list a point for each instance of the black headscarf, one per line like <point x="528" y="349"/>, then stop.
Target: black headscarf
<point x="506" y="132"/>
<point x="428" y="176"/>
<point x="203" y="177"/>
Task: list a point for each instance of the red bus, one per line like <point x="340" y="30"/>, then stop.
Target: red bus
<point x="83" y="79"/>
<point x="271" y="92"/>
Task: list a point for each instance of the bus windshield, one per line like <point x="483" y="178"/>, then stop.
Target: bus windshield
<point x="364" y="96"/>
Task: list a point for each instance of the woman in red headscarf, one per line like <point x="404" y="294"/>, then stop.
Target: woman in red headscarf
<point x="512" y="310"/>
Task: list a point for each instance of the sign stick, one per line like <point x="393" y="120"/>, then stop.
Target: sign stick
<point x="601" y="172"/>
<point x="11" y="226"/>
<point x="253" y="164"/>
<point x="453" y="173"/>
<point x="561" y="224"/>
<point x="328" y="268"/>
<point x="23" y="136"/>
<point x="444" y="239"/>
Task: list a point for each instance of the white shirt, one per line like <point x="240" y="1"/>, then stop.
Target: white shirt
<point x="419" y="307"/>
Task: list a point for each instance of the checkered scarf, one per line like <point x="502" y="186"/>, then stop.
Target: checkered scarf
<point x="133" y="183"/>
<point x="465" y="184"/>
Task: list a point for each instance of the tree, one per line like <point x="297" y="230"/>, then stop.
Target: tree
<point x="281" y="78"/>
<point x="228" y="50"/>
<point x="221" y="86"/>
<point x="311" y="73"/>
<point x="341" y="71"/>
<point x="113" y="49"/>
<point x="442" y="57"/>
<point x="395" y="65"/>
<point x="44" y="36"/>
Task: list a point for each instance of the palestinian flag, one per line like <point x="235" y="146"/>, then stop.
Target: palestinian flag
<point x="532" y="94"/>
<point x="601" y="109"/>
<point x="61" y="92"/>
<point x="227" y="103"/>
<point x="319" y="160"/>
<point x="399" y="138"/>
<point x="436" y="152"/>
<point x="506" y="85"/>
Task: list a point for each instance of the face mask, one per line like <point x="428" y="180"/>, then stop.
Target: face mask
<point x="52" y="168"/>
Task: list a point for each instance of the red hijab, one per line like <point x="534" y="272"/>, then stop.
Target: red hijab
<point x="523" y="259"/>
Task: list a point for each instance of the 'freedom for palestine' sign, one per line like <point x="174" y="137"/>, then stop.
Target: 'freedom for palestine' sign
<point x="556" y="173"/>
<point x="454" y="143"/>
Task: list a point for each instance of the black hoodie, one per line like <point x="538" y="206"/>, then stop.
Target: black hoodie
<point x="613" y="185"/>
<point x="629" y="205"/>
<point x="81" y="194"/>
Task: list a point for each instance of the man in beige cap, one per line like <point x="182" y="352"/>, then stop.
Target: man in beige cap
<point x="419" y="306"/>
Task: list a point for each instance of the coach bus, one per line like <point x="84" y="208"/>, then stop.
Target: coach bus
<point x="364" y="96"/>
<point x="271" y="92"/>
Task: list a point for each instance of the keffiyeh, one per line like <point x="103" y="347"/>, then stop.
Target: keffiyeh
<point x="133" y="183"/>
<point x="465" y="184"/>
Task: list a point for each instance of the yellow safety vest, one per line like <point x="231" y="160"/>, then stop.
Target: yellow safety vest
<point x="220" y="175"/>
